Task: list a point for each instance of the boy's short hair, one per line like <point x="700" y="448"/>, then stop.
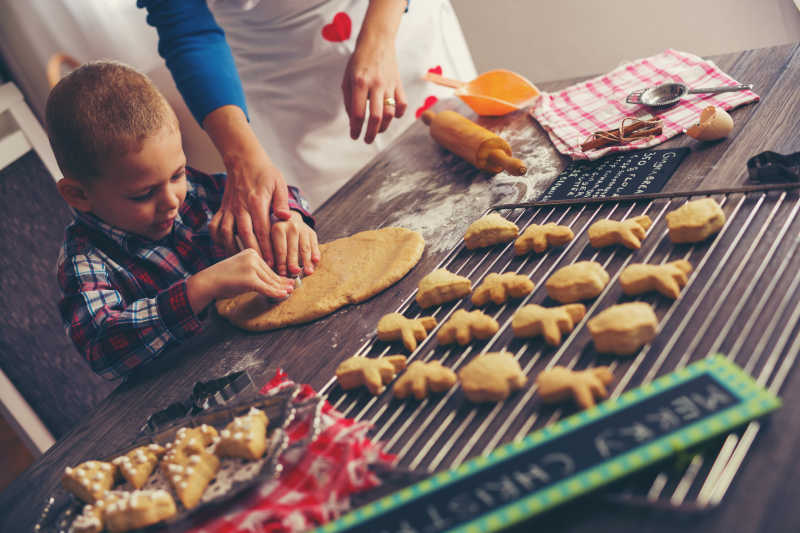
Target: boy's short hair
<point x="102" y="109"/>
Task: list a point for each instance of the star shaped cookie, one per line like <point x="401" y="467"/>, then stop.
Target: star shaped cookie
<point x="668" y="279"/>
<point x="420" y="378"/>
<point x="500" y="287"/>
<point x="540" y="238"/>
<point x="584" y="386"/>
<point x="628" y="233"/>
<point x="371" y="373"/>
<point x="394" y="327"/>
<point x="464" y="326"/>
<point x="549" y="322"/>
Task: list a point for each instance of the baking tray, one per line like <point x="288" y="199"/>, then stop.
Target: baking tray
<point x="740" y="301"/>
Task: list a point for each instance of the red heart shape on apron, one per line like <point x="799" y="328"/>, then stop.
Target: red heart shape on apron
<point x="436" y="70"/>
<point x="429" y="101"/>
<point x="338" y="30"/>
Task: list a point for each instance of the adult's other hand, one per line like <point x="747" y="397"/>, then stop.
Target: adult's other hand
<point x="255" y="186"/>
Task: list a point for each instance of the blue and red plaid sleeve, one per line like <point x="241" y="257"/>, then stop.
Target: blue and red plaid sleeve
<point x="299" y="204"/>
<point x="113" y="335"/>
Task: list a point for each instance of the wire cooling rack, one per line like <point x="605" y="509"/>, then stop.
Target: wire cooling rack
<point x="741" y="300"/>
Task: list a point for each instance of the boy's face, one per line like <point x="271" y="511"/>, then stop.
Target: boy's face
<point x="142" y="191"/>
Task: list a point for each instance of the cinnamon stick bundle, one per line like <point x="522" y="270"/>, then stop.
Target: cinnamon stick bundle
<point x="635" y="129"/>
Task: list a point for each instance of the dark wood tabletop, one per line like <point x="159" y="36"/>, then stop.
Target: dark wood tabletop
<point x="416" y="184"/>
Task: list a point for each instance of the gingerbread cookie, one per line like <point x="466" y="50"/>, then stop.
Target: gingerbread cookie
<point x="695" y="221"/>
<point x="421" y="378"/>
<point x="137" y="465"/>
<point x="371" y="373"/>
<point x="540" y="238"/>
<point x="464" y="326"/>
<point x="245" y="436"/>
<point x="89" y="480"/>
<point x="138" y="509"/>
<point x="668" y="279"/>
<point x="628" y="233"/>
<point x="584" y="386"/>
<point x="500" y="287"/>
<point x="490" y="230"/>
<point x="441" y="286"/>
<point x="549" y="322"/>
<point x="491" y="377"/>
<point x="188" y="465"/>
<point x="579" y="281"/>
<point x="624" y="328"/>
<point x="394" y="327"/>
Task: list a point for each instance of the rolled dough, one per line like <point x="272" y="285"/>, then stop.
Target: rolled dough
<point x="352" y="269"/>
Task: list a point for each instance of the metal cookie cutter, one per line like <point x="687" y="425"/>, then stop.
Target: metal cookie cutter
<point x="774" y="167"/>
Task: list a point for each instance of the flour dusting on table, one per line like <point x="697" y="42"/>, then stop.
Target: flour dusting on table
<point x="447" y="209"/>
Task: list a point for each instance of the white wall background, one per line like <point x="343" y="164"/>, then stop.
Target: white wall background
<point x="558" y="39"/>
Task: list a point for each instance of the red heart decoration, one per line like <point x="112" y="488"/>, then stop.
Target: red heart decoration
<point x="338" y="30"/>
<point x="429" y="101"/>
<point x="436" y="70"/>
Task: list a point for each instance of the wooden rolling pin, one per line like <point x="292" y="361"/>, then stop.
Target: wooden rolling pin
<point x="474" y="143"/>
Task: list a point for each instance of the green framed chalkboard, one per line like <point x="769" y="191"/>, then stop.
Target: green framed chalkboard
<point x="572" y="457"/>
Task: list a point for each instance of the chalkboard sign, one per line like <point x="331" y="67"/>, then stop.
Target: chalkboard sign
<point x="572" y="457"/>
<point x="634" y="172"/>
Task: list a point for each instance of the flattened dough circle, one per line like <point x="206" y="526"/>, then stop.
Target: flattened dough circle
<point x="352" y="269"/>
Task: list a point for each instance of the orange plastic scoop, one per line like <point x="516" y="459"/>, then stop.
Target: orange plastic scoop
<point x="496" y="92"/>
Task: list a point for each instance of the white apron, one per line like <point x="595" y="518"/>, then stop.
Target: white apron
<point x="291" y="56"/>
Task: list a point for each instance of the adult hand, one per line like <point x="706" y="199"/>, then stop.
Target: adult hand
<point x="371" y="78"/>
<point x="255" y="187"/>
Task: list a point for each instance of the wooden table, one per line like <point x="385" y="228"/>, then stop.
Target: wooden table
<point x="416" y="184"/>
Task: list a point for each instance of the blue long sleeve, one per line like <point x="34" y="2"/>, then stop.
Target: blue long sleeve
<point x="197" y="54"/>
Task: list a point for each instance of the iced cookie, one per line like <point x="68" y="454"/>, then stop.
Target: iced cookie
<point x="464" y="326"/>
<point x="549" y="322"/>
<point x="579" y="281"/>
<point x="624" y="328"/>
<point x="695" y="221"/>
<point x="540" y="238"/>
<point x="584" y="386"/>
<point x="137" y="465"/>
<point x="421" y="378"/>
<point x="490" y="230"/>
<point x="500" y="287"/>
<point x="92" y="519"/>
<point x="245" y="436"/>
<point x="441" y="286"/>
<point x="394" y="327"/>
<point x="138" y="509"/>
<point x="628" y="233"/>
<point x="371" y="373"/>
<point x="188" y="465"/>
<point x="90" y="480"/>
<point x="491" y="377"/>
<point x="668" y="279"/>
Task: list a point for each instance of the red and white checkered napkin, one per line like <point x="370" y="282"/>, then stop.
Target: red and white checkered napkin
<point x="316" y="481"/>
<point x="573" y="114"/>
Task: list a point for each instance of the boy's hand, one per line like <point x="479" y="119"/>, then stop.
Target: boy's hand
<point x="294" y="243"/>
<point x="243" y="272"/>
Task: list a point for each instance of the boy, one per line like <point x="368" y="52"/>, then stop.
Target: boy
<point x="138" y="265"/>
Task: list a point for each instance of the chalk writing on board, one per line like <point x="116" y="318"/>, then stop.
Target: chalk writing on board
<point x="626" y="173"/>
<point x="555" y="460"/>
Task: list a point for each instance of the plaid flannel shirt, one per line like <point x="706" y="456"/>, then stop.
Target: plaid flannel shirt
<point x="124" y="297"/>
